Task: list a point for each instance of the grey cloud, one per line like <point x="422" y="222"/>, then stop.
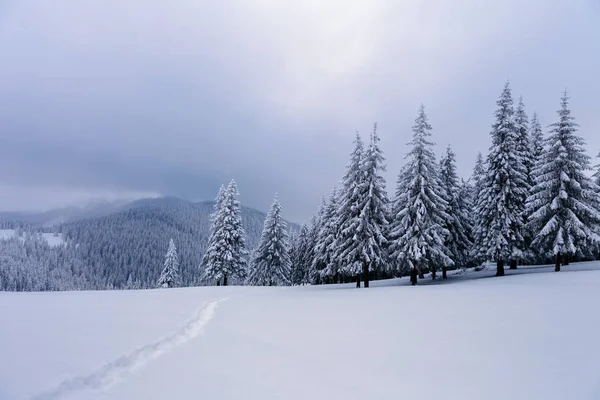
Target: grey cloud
<point x="179" y="97"/>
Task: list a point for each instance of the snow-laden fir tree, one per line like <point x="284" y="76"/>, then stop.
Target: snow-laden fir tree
<point x="169" y="277"/>
<point x="417" y="231"/>
<point x="524" y="146"/>
<point x="347" y="245"/>
<point x="501" y="204"/>
<point x="564" y="206"/>
<point x="374" y="223"/>
<point x="458" y="225"/>
<point x="313" y="275"/>
<point x="466" y="201"/>
<point x="525" y="149"/>
<point x="299" y="273"/>
<point x="324" y="259"/>
<point x="226" y="254"/>
<point x="271" y="263"/>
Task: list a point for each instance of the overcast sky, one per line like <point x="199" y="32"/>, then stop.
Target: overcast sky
<point x="129" y="98"/>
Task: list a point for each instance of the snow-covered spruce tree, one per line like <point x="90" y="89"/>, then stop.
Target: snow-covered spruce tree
<point x="347" y="246"/>
<point x="564" y="206"/>
<point x="324" y="248"/>
<point x="458" y="225"/>
<point x="313" y="275"/>
<point x="525" y="149"/>
<point x="524" y="146"/>
<point x="271" y="262"/>
<point x="298" y="257"/>
<point x="226" y="254"/>
<point x="417" y="232"/>
<point x="363" y="245"/>
<point x="374" y="215"/>
<point x="466" y="201"/>
<point x="501" y="202"/>
<point x="169" y="276"/>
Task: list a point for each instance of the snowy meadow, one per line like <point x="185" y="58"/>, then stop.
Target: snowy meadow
<point x="527" y="336"/>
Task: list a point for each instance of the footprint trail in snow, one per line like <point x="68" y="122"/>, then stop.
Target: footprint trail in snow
<point x="119" y="369"/>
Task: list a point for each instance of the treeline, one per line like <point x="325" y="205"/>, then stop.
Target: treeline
<point x="530" y="200"/>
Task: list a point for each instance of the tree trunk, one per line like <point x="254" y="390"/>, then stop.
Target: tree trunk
<point x="218" y="282"/>
<point x="413" y="276"/>
<point x="513" y="264"/>
<point x="444" y="276"/>
<point x="558" y="261"/>
<point x="225" y="280"/>
<point x="566" y="259"/>
<point x="433" y="274"/>
<point x="500" y="268"/>
<point x="366" y="274"/>
<point x="357" y="280"/>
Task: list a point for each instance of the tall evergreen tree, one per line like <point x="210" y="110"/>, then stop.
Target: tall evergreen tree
<point x="347" y="245"/>
<point x="169" y="276"/>
<point x="226" y="254"/>
<point x="524" y="147"/>
<point x="417" y="231"/>
<point x="271" y="262"/>
<point x="324" y="248"/>
<point x="500" y="205"/>
<point x="373" y="226"/>
<point x="564" y="206"/>
<point x="458" y="225"/>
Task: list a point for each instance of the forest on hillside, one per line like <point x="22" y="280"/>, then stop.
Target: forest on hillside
<point x="533" y="198"/>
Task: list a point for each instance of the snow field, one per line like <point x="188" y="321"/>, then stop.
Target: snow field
<point x="530" y="336"/>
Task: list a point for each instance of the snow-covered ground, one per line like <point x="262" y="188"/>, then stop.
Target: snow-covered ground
<point x="52" y="239"/>
<point x="533" y="336"/>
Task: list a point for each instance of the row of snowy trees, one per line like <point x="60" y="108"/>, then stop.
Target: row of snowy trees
<point x="530" y="199"/>
<point x="227" y="259"/>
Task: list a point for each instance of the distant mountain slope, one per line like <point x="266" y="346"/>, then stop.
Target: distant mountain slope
<point x="68" y="214"/>
<point x="126" y="248"/>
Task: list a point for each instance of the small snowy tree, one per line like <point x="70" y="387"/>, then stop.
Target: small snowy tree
<point x="313" y="273"/>
<point x="298" y="257"/>
<point x="169" y="276"/>
<point x="324" y="248"/>
<point x="271" y="261"/>
<point x="478" y="176"/>
<point x="226" y="255"/>
<point x="417" y="230"/>
<point x="501" y="203"/>
<point x="458" y="226"/>
<point x="564" y="206"/>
